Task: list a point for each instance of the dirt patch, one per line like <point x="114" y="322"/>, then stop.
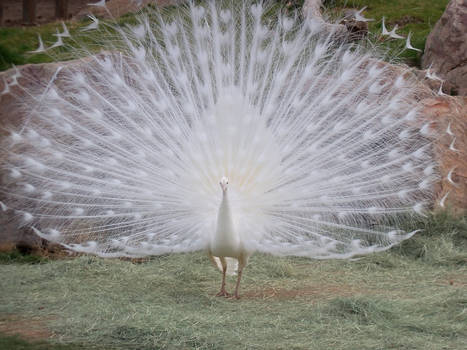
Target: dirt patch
<point x="326" y="291"/>
<point x="29" y="329"/>
<point x="456" y="280"/>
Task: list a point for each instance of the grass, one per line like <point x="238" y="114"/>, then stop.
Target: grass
<point x="15" y="256"/>
<point x="392" y="300"/>
<point x="16" y="343"/>
<point x="17" y="42"/>
<point x="417" y="16"/>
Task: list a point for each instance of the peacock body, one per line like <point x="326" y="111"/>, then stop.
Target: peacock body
<point x="122" y="155"/>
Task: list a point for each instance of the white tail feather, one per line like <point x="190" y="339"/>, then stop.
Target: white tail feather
<point x="232" y="265"/>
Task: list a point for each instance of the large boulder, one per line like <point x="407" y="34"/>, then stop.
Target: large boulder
<point x="446" y="46"/>
<point x="449" y="120"/>
<point x="12" y="115"/>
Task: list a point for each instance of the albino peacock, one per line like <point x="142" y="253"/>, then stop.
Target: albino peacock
<point x="313" y="142"/>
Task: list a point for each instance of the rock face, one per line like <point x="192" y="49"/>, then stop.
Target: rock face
<point x="446" y="46"/>
<point x="11" y="116"/>
<point x="449" y="121"/>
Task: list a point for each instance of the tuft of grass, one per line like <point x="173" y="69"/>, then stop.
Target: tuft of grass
<point x="449" y="248"/>
<point x="360" y="310"/>
<point x="16" y="257"/>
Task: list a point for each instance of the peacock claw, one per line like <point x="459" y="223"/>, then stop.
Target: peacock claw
<point x="223" y="293"/>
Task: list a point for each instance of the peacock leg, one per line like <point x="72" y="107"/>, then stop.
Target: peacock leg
<point x="241" y="265"/>
<point x="223" y="292"/>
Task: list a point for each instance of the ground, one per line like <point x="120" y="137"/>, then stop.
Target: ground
<point x="412" y="297"/>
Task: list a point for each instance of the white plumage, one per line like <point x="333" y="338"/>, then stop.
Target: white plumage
<point x="408" y="45"/>
<point x="360" y="18"/>
<point x="317" y="139"/>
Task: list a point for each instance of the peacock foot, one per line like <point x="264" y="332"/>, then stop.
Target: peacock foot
<point x="223" y="293"/>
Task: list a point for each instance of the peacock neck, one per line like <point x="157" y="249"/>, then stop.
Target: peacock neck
<point x="225" y="215"/>
<point x="225" y="228"/>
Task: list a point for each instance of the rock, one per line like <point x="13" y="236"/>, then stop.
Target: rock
<point x="30" y="76"/>
<point x="449" y="117"/>
<point x="434" y="85"/>
<point x="458" y="77"/>
<point x="446" y="46"/>
<point x="117" y="8"/>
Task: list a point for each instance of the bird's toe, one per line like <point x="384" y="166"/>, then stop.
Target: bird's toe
<point x="223" y="293"/>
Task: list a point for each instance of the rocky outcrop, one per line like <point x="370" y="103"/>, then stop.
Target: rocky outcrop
<point x="12" y="115"/>
<point x="20" y="79"/>
<point x="446" y="46"/>
<point x="449" y="121"/>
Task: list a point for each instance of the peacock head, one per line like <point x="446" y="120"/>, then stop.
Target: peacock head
<point x="224" y="182"/>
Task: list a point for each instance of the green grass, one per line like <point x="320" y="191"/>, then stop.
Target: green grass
<point x="16" y="42"/>
<point x="421" y="15"/>
<point x="17" y="257"/>
<point x="392" y="300"/>
<point x="16" y="343"/>
<point x="416" y="16"/>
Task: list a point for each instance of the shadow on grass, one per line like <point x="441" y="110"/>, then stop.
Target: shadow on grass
<point x="9" y="342"/>
<point x="16" y="257"/>
<point x="360" y="310"/>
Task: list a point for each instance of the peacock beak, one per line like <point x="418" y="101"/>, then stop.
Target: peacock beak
<point x="223" y="186"/>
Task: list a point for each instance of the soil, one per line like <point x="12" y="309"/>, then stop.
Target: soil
<point x="29" y="329"/>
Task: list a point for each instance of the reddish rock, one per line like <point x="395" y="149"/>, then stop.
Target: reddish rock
<point x="28" y="76"/>
<point x="11" y="116"/>
<point x="446" y="46"/>
<point x="450" y="149"/>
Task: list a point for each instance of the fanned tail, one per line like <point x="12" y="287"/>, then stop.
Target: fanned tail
<point x="122" y="154"/>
